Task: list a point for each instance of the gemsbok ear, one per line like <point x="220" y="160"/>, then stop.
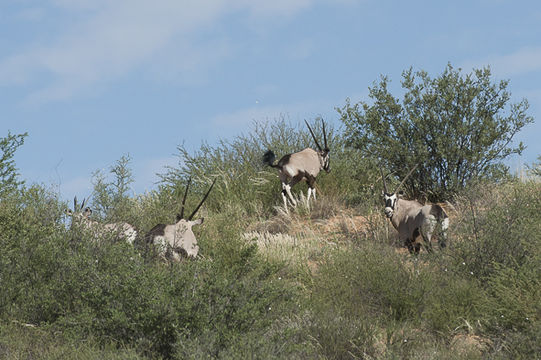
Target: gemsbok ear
<point x="401" y="193"/>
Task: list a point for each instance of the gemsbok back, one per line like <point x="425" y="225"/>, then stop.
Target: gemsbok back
<point x="413" y="220"/>
<point x="81" y="217"/>
<point x="303" y="165"/>
<point x="177" y="240"/>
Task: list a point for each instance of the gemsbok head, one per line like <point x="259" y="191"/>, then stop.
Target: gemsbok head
<point x="80" y="217"/>
<point x="413" y="220"/>
<point x="175" y="241"/>
<point x="303" y="165"/>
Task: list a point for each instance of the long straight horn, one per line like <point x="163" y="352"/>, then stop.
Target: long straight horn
<point x="202" y="201"/>
<point x="383" y="178"/>
<point x="181" y="215"/>
<point x="75" y="203"/>
<point x="313" y="136"/>
<point x="83" y="204"/>
<point x="404" y="180"/>
<point x="325" y="136"/>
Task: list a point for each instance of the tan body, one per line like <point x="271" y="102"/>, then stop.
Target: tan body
<point x="173" y="242"/>
<point x="414" y="222"/>
<point x="177" y="241"/>
<point x="121" y="229"/>
<point x="304" y="165"/>
<point x="306" y="162"/>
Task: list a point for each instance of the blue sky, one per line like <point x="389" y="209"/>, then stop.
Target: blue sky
<point x="92" y="80"/>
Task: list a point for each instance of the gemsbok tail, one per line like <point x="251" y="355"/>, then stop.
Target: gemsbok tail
<point x="268" y="158"/>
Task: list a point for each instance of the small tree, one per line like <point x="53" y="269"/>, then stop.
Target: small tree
<point x="535" y="168"/>
<point x="112" y="198"/>
<point x="8" y="171"/>
<point x="456" y="127"/>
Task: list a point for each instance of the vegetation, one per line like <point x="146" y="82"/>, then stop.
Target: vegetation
<point x="458" y="127"/>
<point x="326" y="281"/>
<point x="8" y="172"/>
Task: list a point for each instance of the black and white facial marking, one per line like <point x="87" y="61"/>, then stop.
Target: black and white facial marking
<point x="390" y="203"/>
<point x="80" y="216"/>
<point x="325" y="160"/>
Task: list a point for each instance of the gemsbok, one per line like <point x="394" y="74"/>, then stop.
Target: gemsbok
<point x="413" y="220"/>
<point x="303" y="165"/>
<point x="81" y="218"/>
<point x="177" y="240"/>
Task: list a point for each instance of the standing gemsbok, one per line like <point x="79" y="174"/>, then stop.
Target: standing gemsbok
<point x="177" y="240"/>
<point x="413" y="220"/>
<point x="81" y="218"/>
<point x="302" y="165"/>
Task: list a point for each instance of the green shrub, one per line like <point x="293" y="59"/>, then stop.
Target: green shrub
<point x="497" y="227"/>
<point x="514" y="296"/>
<point x="454" y="304"/>
<point x="70" y="282"/>
<point x="21" y="341"/>
<point x="459" y="127"/>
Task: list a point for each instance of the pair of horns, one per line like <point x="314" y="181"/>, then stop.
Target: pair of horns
<point x="399" y="185"/>
<point x="181" y="215"/>
<point x="75" y="204"/>
<point x="314" y="137"/>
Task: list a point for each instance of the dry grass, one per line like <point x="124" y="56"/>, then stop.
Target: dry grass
<point x="291" y="249"/>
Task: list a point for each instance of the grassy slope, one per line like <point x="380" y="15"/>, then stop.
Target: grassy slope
<point x="326" y="282"/>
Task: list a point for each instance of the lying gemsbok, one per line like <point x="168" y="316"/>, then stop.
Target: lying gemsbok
<point x="81" y="218"/>
<point x="302" y="165"/>
<point x="413" y="220"/>
<point x="177" y="240"/>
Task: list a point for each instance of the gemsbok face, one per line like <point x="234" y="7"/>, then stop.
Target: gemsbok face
<point x="414" y="221"/>
<point x="177" y="241"/>
<point x="304" y="165"/>
<point x="81" y="218"/>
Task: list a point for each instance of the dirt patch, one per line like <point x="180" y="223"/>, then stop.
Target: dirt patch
<point x="466" y="344"/>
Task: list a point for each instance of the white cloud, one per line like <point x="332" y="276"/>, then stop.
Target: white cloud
<point x="523" y="61"/>
<point x="114" y="38"/>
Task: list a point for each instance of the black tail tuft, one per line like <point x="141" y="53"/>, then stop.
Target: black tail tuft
<point x="268" y="158"/>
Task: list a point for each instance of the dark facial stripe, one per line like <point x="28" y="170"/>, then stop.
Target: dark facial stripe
<point x="390" y="202"/>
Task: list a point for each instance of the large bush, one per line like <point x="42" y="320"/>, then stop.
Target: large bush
<point x="458" y="128"/>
